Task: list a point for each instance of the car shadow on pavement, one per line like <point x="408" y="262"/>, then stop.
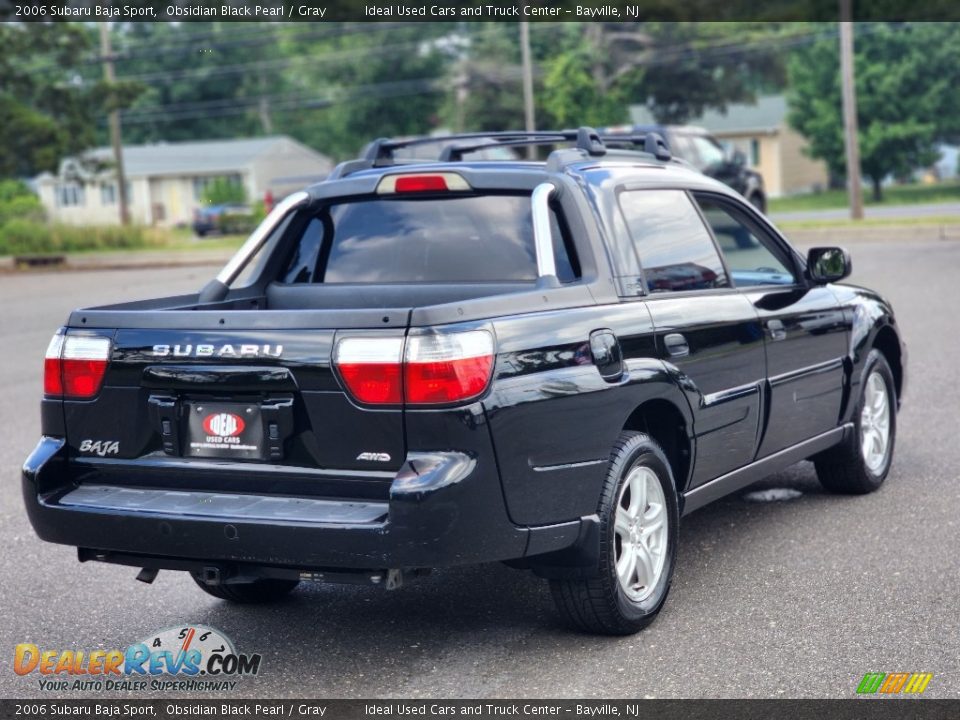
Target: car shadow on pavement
<point x="432" y="617"/>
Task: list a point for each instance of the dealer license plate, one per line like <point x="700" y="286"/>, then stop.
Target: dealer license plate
<point x="224" y="430"/>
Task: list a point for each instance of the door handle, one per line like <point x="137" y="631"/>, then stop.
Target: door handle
<point x="676" y="345"/>
<point x="777" y="330"/>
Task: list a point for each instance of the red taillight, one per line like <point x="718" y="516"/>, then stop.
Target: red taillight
<point x="52" y="379"/>
<point x="447" y="368"/>
<point x="420" y="183"/>
<point x="370" y="367"/>
<point x="74" y="366"/>
<point x="433" y="370"/>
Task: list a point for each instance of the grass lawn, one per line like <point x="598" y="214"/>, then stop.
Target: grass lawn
<point x="184" y="239"/>
<point x="923" y="221"/>
<point x="893" y="195"/>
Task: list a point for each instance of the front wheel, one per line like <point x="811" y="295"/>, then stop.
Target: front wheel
<point x="638" y="540"/>
<point x="860" y="464"/>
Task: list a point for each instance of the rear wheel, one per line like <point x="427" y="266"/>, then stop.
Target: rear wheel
<point x="263" y="590"/>
<point x="638" y="538"/>
<point x="860" y="464"/>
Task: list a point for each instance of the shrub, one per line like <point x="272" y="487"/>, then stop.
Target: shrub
<point x="236" y="223"/>
<point x="19" y="236"/>
<point x="10" y="189"/>
<point x="17" y="202"/>
<point x="24" y="207"/>
<point x="223" y="191"/>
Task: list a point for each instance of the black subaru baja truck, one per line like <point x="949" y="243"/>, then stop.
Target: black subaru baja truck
<point x="418" y="364"/>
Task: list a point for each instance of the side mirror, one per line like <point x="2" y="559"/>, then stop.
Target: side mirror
<point x="828" y="264"/>
<point x="739" y="159"/>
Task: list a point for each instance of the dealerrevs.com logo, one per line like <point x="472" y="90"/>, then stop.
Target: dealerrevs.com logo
<point x="190" y="658"/>
<point x="894" y="683"/>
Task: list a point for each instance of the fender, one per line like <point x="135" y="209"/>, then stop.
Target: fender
<point x="870" y="316"/>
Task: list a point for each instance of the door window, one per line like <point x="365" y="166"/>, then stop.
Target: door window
<point x="709" y="152"/>
<point x="682" y="147"/>
<point x="751" y="256"/>
<point x="674" y="247"/>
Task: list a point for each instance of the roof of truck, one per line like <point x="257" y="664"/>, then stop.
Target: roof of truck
<point x="642" y="169"/>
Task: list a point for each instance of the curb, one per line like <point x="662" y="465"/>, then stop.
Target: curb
<point x="871" y="233"/>
<point x="125" y="261"/>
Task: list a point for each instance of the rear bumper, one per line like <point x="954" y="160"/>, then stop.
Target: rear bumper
<point x="444" y="509"/>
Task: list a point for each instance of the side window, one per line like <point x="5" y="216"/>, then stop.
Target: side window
<point x="675" y="248"/>
<point x="710" y="153"/>
<point x="304" y="259"/>
<point x="753" y="258"/>
<point x="682" y="147"/>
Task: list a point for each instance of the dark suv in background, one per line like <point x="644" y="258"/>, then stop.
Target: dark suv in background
<point x="699" y="148"/>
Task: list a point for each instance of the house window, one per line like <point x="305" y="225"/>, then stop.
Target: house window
<point x="108" y="194"/>
<point x="754" y="152"/>
<point x="69" y="195"/>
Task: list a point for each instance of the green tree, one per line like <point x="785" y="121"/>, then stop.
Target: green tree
<point x="905" y="78"/>
<point x="676" y="69"/>
<point x="47" y="108"/>
<point x="362" y="80"/>
<point x="223" y="191"/>
<point x="485" y="82"/>
<point x="202" y="80"/>
<point x="18" y="203"/>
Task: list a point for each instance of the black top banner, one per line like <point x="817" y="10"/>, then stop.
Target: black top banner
<point x="624" y="11"/>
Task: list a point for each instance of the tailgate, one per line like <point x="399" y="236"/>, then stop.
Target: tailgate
<point x="179" y="405"/>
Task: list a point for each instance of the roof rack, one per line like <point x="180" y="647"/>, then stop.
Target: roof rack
<point x="380" y="153"/>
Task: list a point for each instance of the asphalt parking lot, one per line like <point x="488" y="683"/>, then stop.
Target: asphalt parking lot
<point x="796" y="598"/>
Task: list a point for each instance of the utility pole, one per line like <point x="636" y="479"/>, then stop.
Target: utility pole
<point x="529" y="119"/>
<point x="850" y="130"/>
<point x="106" y="51"/>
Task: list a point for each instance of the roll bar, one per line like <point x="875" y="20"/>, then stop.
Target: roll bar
<point x="542" y="234"/>
<point x="217" y="288"/>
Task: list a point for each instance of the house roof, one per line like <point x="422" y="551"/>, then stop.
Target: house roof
<point x="768" y="113"/>
<point x="197" y="158"/>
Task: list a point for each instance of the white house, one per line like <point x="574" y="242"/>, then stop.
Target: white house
<point x="165" y="181"/>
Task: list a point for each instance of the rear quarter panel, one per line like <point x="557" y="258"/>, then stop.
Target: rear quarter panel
<point x="554" y="419"/>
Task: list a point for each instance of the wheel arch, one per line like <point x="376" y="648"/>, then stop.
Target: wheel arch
<point x="669" y="424"/>
<point x="888" y="342"/>
<point x="664" y="422"/>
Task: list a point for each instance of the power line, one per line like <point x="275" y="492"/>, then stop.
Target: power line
<point x="419" y="86"/>
<point x="261" y="37"/>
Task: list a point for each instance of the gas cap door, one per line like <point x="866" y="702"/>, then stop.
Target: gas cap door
<point x="605" y="349"/>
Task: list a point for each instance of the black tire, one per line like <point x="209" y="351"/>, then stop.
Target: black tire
<point x="600" y="604"/>
<point x="262" y="590"/>
<point x="843" y="469"/>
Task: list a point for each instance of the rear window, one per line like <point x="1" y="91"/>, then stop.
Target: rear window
<point x="476" y="238"/>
